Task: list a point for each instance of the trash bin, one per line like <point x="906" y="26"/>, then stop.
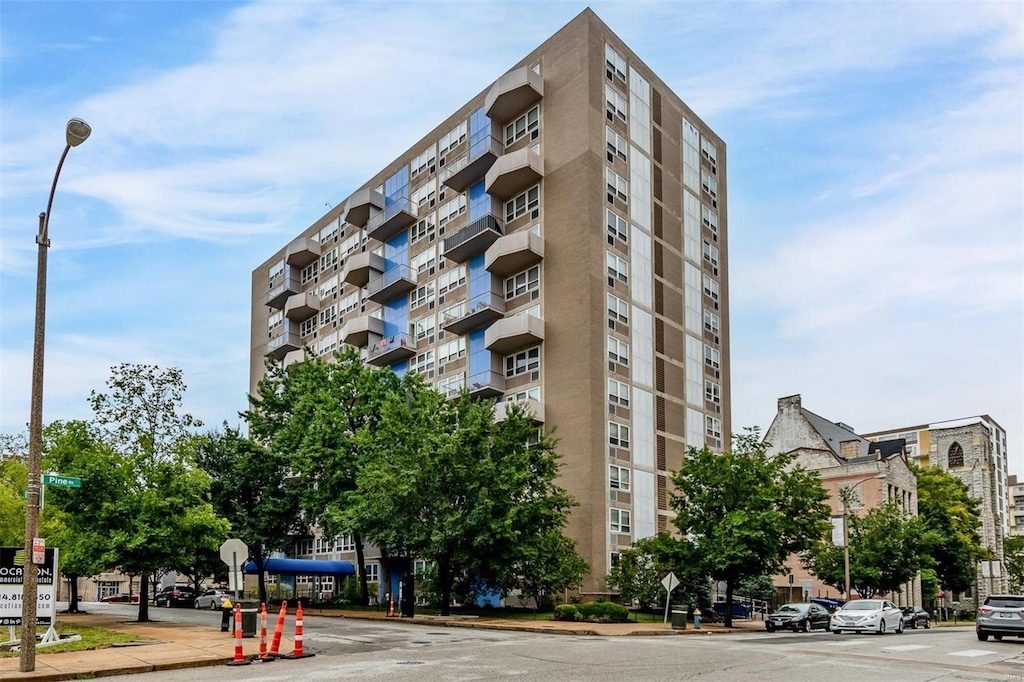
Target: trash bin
<point x="250" y="615"/>
<point x="678" y="619"/>
<point x="408" y="599"/>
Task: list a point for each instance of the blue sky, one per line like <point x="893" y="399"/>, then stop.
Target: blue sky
<point x="876" y="176"/>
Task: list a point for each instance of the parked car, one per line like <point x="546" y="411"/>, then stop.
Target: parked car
<point x="915" y="616"/>
<point x="805" y="617"/>
<point x="122" y="598"/>
<point x="211" y="599"/>
<point x="1001" y="615"/>
<point x="175" y="595"/>
<point x="868" y="615"/>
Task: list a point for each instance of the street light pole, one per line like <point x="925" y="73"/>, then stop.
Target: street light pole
<point x="76" y="132"/>
<point x="846" y="532"/>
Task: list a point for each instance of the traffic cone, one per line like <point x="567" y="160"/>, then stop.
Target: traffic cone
<point x="264" y="657"/>
<point x="239" y="658"/>
<point x="298" y="653"/>
<point x="391" y="606"/>
<point x="275" y="645"/>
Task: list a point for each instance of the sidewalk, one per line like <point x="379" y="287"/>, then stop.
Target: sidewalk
<point x="178" y="645"/>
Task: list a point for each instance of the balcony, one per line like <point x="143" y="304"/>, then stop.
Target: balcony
<point x="279" y="293"/>
<point x="477" y="312"/>
<point x="511" y="334"/>
<point x="514" y="253"/>
<point x="302" y="306"/>
<point x="287" y="342"/>
<point x="361" y="267"/>
<point x="359" y="206"/>
<point x="396" y="216"/>
<point x="473" y="239"/>
<point x="471" y="166"/>
<point x="390" y="350"/>
<point x="513" y="93"/>
<point x="294" y="356"/>
<point x="357" y="330"/>
<point x="534" y="407"/>
<point x="514" y="173"/>
<point x="486" y="384"/>
<point x="302" y="252"/>
<point x="397" y="281"/>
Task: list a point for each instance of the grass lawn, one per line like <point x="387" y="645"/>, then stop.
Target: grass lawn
<point x="92" y="638"/>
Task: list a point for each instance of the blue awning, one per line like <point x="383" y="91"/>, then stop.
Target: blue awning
<point x="281" y="566"/>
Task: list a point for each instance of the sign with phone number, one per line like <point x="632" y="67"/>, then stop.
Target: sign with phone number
<point x="12" y="566"/>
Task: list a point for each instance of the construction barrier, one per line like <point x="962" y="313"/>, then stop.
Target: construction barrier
<point x="264" y="657"/>
<point x="239" y="657"/>
<point x="298" y="653"/>
<point x="275" y="645"/>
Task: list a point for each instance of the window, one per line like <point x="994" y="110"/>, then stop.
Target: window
<point x="425" y="197"/>
<point x="710" y="219"/>
<point x="528" y="394"/>
<point x="618" y="478"/>
<point x="304" y="547"/>
<point x="711" y="287"/>
<point x="614" y="64"/>
<point x="323" y="545"/>
<point x="424" y="262"/>
<point x="274" y="321"/>
<point x="618" y="310"/>
<point x="453" y="139"/>
<point x="308" y="326"/>
<point x="421" y="295"/>
<point x="713" y="427"/>
<point x="327" y="344"/>
<point x="453" y="385"/>
<point x="618" y="520"/>
<point x="712" y="392"/>
<point x="618" y="393"/>
<point x="527" y="202"/>
<point x="527" y="124"/>
<point x="372" y="573"/>
<point x="328" y="288"/>
<point x="451" y="279"/>
<point x="327" y="315"/>
<point x="352" y="242"/>
<point x="523" y="282"/>
<point x="451" y="351"/>
<point x="423" y="363"/>
<point x="708" y="150"/>
<point x="309" y="272"/>
<point x="709" y="184"/>
<point x="424" y="328"/>
<point x="616" y="145"/>
<point x="711" y="322"/>
<point x="618" y="269"/>
<point x="451" y="210"/>
<point x="618" y="351"/>
<point x="346" y="543"/>
<point x="329" y="259"/>
<point x="523" y="362"/>
<point x="275" y="270"/>
<point x="956" y="455"/>
<point x="618" y="435"/>
<point x="711" y="254"/>
<point x="424" y="163"/>
<point x="712" y="358"/>
<point x="615" y="104"/>
<point x="618" y="228"/>
<point x="349" y="303"/>
<point x="617" y="187"/>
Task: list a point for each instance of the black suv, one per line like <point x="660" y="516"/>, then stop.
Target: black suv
<point x="1001" y="615"/>
<point x="175" y="595"/>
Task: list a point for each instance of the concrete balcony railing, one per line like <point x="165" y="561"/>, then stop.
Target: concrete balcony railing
<point x="463" y="171"/>
<point x="302" y="252"/>
<point x="514" y="172"/>
<point x="390" y="350"/>
<point x="534" y="407"/>
<point x="359" y="206"/>
<point x="359" y="331"/>
<point x="486" y="384"/>
<point x="279" y="293"/>
<point x="477" y="312"/>
<point x="514" y="253"/>
<point x="397" y="281"/>
<point x="396" y="217"/>
<point x="302" y="306"/>
<point x="473" y="239"/>
<point x="512" y="334"/>
<point x="513" y="93"/>
<point x="361" y="267"/>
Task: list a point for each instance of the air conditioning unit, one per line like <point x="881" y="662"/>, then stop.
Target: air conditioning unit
<point x="534" y="376"/>
<point x="613" y="496"/>
<point x="718" y="374"/>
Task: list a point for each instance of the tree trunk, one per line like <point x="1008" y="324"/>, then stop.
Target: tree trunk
<point x="728" y="603"/>
<point x="444" y="580"/>
<point x="261" y="583"/>
<point x="73" y="593"/>
<point x="143" y="598"/>
<point x="364" y="591"/>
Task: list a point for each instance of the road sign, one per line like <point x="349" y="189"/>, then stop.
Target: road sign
<point x="234" y="552"/>
<point x="670" y="581"/>
<point x="62" y="481"/>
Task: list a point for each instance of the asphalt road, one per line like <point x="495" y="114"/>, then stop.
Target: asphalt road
<point x="372" y="650"/>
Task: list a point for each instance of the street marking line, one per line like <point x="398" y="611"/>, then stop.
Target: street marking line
<point x="906" y="647"/>
<point x="973" y="653"/>
<point x="852" y="642"/>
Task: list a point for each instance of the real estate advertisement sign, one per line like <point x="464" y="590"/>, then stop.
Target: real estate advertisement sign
<point x="12" y="572"/>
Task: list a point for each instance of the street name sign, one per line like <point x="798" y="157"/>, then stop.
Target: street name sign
<point x="62" y="481"/>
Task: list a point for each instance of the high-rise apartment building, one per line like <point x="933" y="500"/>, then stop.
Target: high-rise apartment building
<point x="560" y="239"/>
<point x="974" y="450"/>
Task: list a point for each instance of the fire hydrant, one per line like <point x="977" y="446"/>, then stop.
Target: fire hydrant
<point x="696" y="619"/>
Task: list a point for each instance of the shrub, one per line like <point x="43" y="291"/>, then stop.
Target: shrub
<point x="604" y="612"/>
<point x="566" y="612"/>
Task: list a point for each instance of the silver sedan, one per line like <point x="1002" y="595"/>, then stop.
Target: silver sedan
<point x="868" y="615"/>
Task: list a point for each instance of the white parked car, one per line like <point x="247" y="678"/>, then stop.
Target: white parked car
<point x="868" y="615"/>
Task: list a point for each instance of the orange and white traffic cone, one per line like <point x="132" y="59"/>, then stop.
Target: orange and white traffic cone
<point x="298" y="653"/>
<point x="391" y="606"/>
<point x="264" y="657"/>
<point x="275" y="645"/>
<point x="239" y="658"/>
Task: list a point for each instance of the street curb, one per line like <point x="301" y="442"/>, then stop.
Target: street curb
<point x="113" y="672"/>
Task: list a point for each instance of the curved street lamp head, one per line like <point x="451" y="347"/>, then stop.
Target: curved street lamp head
<point x="78" y="131"/>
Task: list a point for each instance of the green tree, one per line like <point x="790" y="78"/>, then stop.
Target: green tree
<point x="743" y="513"/>
<point x="638" y="573"/>
<point x="13" y="482"/>
<point x="441" y="481"/>
<point x="951" y="517"/>
<point x="929" y="586"/>
<point x="1013" y="556"/>
<point x="884" y="547"/>
<point x="252" y="487"/>
<point x="547" y="567"/>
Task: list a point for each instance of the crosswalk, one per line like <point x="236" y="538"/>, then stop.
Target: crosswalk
<point x="854" y="643"/>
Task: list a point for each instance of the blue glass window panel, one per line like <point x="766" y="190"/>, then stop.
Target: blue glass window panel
<point x="479" y="356"/>
<point x="479" y="277"/>
<point x="397" y="186"/>
<point x="479" y="126"/>
<point x="396" y="316"/>
<point x="479" y="201"/>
